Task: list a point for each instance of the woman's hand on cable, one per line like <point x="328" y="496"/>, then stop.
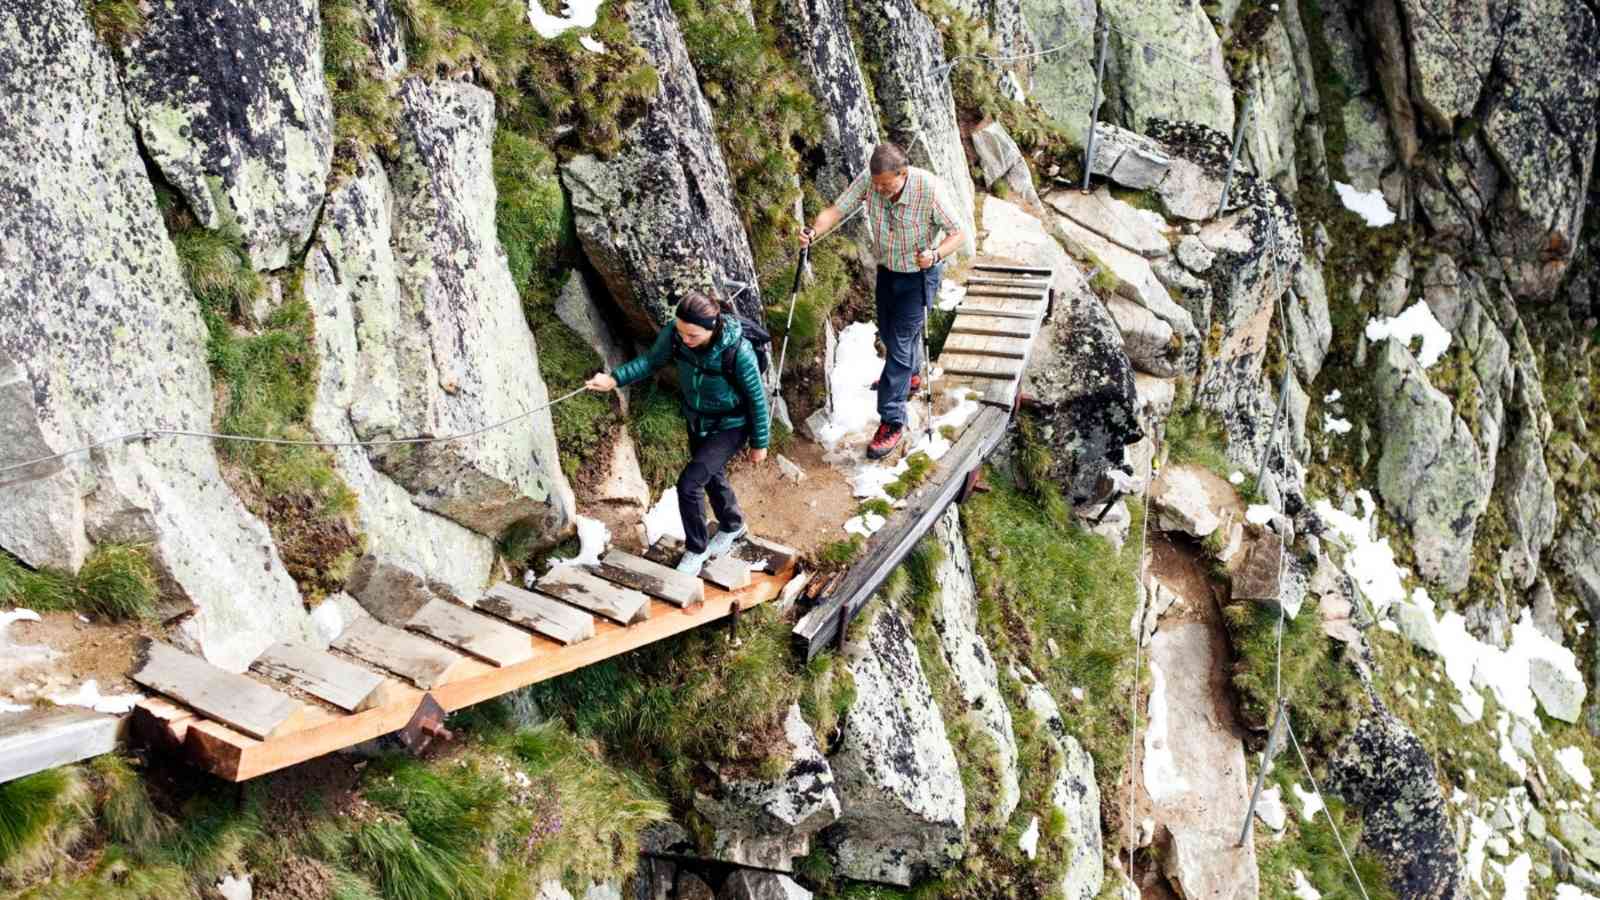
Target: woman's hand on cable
<point x="758" y="454"/>
<point x="601" y="381"/>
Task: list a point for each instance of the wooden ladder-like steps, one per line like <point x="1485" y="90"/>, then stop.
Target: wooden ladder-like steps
<point x="992" y="336"/>
<point x="239" y="727"/>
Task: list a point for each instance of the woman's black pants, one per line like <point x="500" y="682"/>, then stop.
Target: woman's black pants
<point x="704" y="477"/>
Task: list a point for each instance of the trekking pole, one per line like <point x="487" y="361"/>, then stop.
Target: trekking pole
<point x="788" y="326"/>
<point x="927" y="346"/>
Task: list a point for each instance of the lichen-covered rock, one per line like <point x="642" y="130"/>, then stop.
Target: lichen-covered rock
<point x="903" y="806"/>
<point x="972" y="667"/>
<point x="232" y="105"/>
<point x="1062" y="83"/>
<point x="352" y="285"/>
<point x="1383" y="770"/>
<point x="1577" y="551"/>
<point x="849" y="126"/>
<point x="769" y="823"/>
<point x="464" y="358"/>
<point x="1002" y="159"/>
<point x="917" y="109"/>
<point x="1160" y="82"/>
<point x="1134" y="279"/>
<point x="1013" y="38"/>
<point x="99" y="337"/>
<point x="1431" y="474"/>
<point x="1129" y="158"/>
<point x="1082" y="379"/>
<point x="1073" y="792"/>
<point x="658" y="219"/>
<point x="747" y="884"/>
<point x="1308" y="323"/>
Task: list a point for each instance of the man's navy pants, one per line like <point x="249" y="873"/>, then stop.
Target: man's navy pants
<point x="904" y="299"/>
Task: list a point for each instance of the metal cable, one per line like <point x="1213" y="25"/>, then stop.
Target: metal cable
<point x="1289" y="727"/>
<point x="1138" y="653"/>
<point x="152" y="433"/>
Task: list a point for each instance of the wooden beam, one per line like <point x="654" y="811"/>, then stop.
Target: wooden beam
<point x="1001" y="308"/>
<point x="160" y="724"/>
<point x="241" y="702"/>
<point x="1018" y="270"/>
<point x="583" y="590"/>
<point x="653" y="578"/>
<point x="1003" y="293"/>
<point x="980" y="366"/>
<point x="727" y="572"/>
<point x="889" y="546"/>
<point x="994" y="326"/>
<point x="45" y="737"/>
<point x="988" y="345"/>
<point x="237" y="757"/>
<point x="322" y="675"/>
<point x="490" y="640"/>
<point x="771" y="555"/>
<point x="543" y="615"/>
<point x="418" y="660"/>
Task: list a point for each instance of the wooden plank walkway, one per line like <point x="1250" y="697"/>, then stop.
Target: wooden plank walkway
<point x="237" y="727"/>
<point x="991" y="339"/>
<point x="48" y="736"/>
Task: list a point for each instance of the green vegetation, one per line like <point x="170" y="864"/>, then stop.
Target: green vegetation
<point x="918" y="467"/>
<point x="1323" y="688"/>
<point x="365" y="111"/>
<point x="116" y="581"/>
<point x="116" y="21"/>
<point x="838" y="554"/>
<point x="40" y="815"/>
<point x="1312" y="848"/>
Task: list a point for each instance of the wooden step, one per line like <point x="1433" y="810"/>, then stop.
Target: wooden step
<point x="1007" y="294"/>
<point x="490" y="640"/>
<point x="993" y="326"/>
<point x="418" y="660"/>
<point x="1017" y="282"/>
<point x="992" y="391"/>
<point x="48" y="736"/>
<point x="1015" y="270"/>
<point x="775" y="558"/>
<point x="979" y="366"/>
<point x="323" y="675"/>
<point x="237" y="701"/>
<point x="573" y="585"/>
<point x="549" y="617"/>
<point x="986" y="345"/>
<point x="1002" y="309"/>
<point x="727" y="572"/>
<point x="653" y="578"/>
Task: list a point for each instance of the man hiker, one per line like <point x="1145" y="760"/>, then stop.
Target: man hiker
<point x="907" y="209"/>
<point x="725" y="405"/>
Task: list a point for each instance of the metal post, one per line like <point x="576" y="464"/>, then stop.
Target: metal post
<point x="1261" y="776"/>
<point x="1277" y="418"/>
<point x="1233" y="156"/>
<point x="788" y="326"/>
<point x="1103" y="34"/>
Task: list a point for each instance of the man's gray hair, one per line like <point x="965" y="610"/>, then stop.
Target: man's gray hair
<point x="887" y="158"/>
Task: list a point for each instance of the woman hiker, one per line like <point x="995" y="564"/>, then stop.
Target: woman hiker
<point x="906" y="210"/>
<point x="725" y="404"/>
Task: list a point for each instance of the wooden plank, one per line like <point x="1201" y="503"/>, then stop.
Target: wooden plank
<point x="885" y="550"/>
<point x="551" y="618"/>
<point x="238" y="757"/>
<point x="727" y="572"/>
<point x="1018" y="281"/>
<point x="1003" y="293"/>
<point x="322" y="675"/>
<point x="998" y="309"/>
<point x="994" y="391"/>
<point x="770" y="555"/>
<point x="490" y="640"/>
<point x="576" y="586"/>
<point x="45" y="737"/>
<point x="160" y="724"/>
<point x="1015" y="270"/>
<point x="996" y="326"/>
<point x="418" y="660"/>
<point x="650" y="577"/>
<point x="988" y="345"/>
<point x="979" y="366"/>
<point x="243" y="703"/>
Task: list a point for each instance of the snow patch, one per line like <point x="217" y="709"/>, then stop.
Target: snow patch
<point x="1236" y="477"/>
<point x="1570" y="892"/>
<point x="1370" y="563"/>
<point x="88" y="695"/>
<point x="591" y="45"/>
<point x="1259" y="514"/>
<point x="1303" y="889"/>
<point x="865" y="524"/>
<point x="1477" y="840"/>
<point x="855" y="403"/>
<point x="1369" y="205"/>
<point x="935" y="445"/>
<point x="663" y="520"/>
<point x="593" y="536"/>
<point x="1162" y="778"/>
<point x="1335" y="425"/>
<point x="950" y="295"/>
<point x="1029" y="842"/>
<point x="578" y="14"/>
<point x="961" y="413"/>
<point x="1416" y="321"/>
<point x="1310" y="802"/>
<point x="8" y="707"/>
<point x="1333" y="397"/>
<point x="1571" y="760"/>
<point x="329" y="621"/>
<point x="869" y="480"/>
<point x="1516" y="878"/>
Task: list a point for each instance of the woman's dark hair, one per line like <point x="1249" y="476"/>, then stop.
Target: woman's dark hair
<point x="700" y="306"/>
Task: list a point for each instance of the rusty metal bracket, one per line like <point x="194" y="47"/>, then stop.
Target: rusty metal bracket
<point x="425" y="727"/>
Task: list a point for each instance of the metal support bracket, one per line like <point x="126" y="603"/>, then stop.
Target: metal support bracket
<point x="426" y="727"/>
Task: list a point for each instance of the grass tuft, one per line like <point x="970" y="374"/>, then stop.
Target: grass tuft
<point x="116" y="581"/>
<point x="117" y="22"/>
<point x="125" y="808"/>
<point x="40" y="816"/>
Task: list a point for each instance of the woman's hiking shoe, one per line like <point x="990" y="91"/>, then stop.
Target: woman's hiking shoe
<point x="692" y="562"/>
<point x="722" y="541"/>
<point x="885" y="440"/>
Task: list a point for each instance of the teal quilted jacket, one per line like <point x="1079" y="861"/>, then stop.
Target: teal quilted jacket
<point x="711" y="401"/>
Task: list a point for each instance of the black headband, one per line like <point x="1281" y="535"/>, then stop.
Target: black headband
<point x="693" y="318"/>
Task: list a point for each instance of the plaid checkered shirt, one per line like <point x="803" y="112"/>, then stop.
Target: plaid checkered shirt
<point x="902" y="227"/>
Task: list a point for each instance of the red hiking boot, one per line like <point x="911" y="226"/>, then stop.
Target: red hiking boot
<point x="916" y="384"/>
<point x="884" y="441"/>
